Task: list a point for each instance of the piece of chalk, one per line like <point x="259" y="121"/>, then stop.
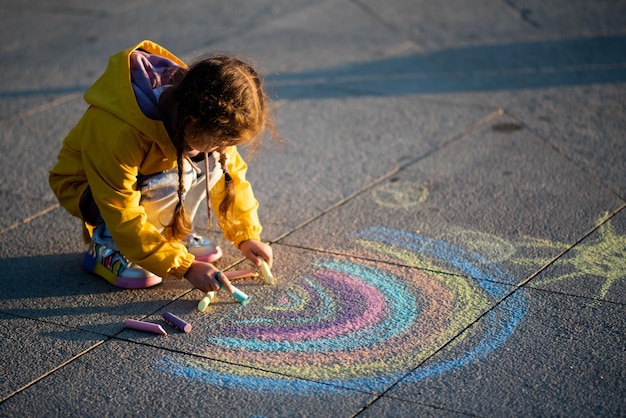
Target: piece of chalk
<point x="205" y="301"/>
<point x="268" y="277"/>
<point x="144" y="326"/>
<point x="177" y="322"/>
<point x="237" y="294"/>
<point x="240" y="274"/>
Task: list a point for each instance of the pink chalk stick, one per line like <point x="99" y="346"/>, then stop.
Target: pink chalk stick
<point x="144" y="326"/>
<point x="240" y="274"/>
<point x="177" y="322"/>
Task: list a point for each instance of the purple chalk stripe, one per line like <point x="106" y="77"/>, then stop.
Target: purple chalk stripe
<point x="351" y="313"/>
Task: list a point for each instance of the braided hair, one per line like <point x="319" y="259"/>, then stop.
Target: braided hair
<point x="221" y="103"/>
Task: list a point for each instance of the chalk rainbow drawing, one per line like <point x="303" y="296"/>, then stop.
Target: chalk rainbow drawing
<point x="350" y="323"/>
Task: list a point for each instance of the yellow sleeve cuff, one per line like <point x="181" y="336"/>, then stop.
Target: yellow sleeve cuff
<point x="180" y="271"/>
<point x="245" y="236"/>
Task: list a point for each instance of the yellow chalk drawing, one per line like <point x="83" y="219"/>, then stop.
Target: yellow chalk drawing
<point x="293" y="299"/>
<point x="539" y="244"/>
<point x="602" y="254"/>
<point x="400" y="194"/>
<point x="603" y="257"/>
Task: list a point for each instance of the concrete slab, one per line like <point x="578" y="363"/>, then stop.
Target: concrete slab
<point x="34" y="123"/>
<point x="29" y="147"/>
<point x="18" y="209"/>
<point x="592" y="138"/>
<point x="38" y="63"/>
<point x="565" y="358"/>
<point x="568" y="19"/>
<point x="311" y="38"/>
<point x="442" y="25"/>
<point x="334" y="148"/>
<point x="52" y="50"/>
<point x="120" y="378"/>
<point x="438" y="26"/>
<point x="32" y="349"/>
<point x="477" y="68"/>
<point x="507" y="195"/>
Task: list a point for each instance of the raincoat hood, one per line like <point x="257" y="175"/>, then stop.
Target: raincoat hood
<point x="114" y="93"/>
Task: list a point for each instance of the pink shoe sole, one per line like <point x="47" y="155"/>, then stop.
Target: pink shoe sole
<point x="123" y="282"/>
<point x="211" y="257"/>
<point x="137" y="284"/>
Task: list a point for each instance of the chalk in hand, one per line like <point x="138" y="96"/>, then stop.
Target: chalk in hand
<point x="238" y="294"/>
<point x="144" y="326"/>
<point x="205" y="301"/>
<point x="177" y="322"/>
<point x="268" y="277"/>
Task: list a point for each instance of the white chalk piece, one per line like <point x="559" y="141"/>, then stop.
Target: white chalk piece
<point x="268" y="277"/>
<point x="205" y="301"/>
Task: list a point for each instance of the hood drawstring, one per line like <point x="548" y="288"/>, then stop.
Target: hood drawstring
<point x="223" y="160"/>
<point x="206" y="185"/>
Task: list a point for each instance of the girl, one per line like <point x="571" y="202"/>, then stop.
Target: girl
<point x="131" y="167"/>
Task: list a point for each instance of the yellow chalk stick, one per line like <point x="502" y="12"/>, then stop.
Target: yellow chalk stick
<point x="206" y="301"/>
<point x="266" y="272"/>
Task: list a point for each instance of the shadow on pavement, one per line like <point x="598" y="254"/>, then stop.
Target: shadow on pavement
<point x="473" y="68"/>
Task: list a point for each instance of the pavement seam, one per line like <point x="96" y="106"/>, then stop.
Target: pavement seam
<point x="371" y="13"/>
<point x="524" y="14"/>
<point x="43" y="108"/>
<point x="30" y="218"/>
<point x="51" y="371"/>
<point x="559" y="151"/>
<point x="438" y="408"/>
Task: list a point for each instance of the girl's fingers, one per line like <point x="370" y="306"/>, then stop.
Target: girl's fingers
<point x="224" y="282"/>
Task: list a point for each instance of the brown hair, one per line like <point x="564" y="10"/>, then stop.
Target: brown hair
<point x="221" y="102"/>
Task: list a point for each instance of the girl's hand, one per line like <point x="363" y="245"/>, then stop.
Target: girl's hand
<point x="253" y="249"/>
<point x="203" y="276"/>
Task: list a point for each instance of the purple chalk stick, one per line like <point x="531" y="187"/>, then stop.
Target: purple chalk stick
<point x="144" y="326"/>
<point x="177" y="322"/>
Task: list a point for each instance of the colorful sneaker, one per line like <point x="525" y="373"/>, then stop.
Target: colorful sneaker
<point x="202" y="248"/>
<point x="104" y="259"/>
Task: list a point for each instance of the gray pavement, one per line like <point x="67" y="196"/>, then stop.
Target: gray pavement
<point x="446" y="211"/>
